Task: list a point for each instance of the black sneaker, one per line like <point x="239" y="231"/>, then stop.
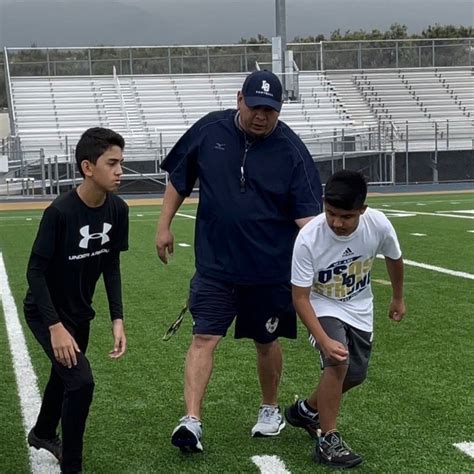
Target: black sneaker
<point x="53" y="445"/>
<point x="296" y="417"/>
<point x="332" y="451"/>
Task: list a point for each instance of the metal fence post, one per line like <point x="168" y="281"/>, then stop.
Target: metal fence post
<point x="90" y="61"/>
<point x="43" y="177"/>
<point x="56" y="172"/>
<point x="435" y="163"/>
<point x="50" y="180"/>
<point x="447" y="134"/>
<point x="406" y="152"/>
<point x="393" y="168"/>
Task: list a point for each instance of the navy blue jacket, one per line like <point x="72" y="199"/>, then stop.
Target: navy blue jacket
<point x="245" y="231"/>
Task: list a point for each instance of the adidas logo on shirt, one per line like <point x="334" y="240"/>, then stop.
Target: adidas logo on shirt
<point x="347" y="252"/>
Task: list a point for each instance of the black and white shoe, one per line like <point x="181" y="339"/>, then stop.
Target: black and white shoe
<point x="298" y="417"/>
<point x="332" y="451"/>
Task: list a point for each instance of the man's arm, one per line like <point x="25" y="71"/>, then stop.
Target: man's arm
<point x="395" y="271"/>
<point x="332" y="349"/>
<point x="172" y="200"/>
<point x="303" y="221"/>
<point x="113" y="287"/>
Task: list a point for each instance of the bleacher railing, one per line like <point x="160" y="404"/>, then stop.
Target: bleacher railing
<point x="212" y="59"/>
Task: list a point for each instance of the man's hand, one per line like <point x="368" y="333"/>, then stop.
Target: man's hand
<point x="164" y="244"/>
<point x="334" y="350"/>
<point x="64" y="345"/>
<point x="120" y="341"/>
<point x="397" y="310"/>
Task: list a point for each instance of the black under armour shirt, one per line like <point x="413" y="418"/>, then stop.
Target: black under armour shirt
<point x="74" y="246"/>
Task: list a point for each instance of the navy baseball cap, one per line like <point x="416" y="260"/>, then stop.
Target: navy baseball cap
<point x="262" y="88"/>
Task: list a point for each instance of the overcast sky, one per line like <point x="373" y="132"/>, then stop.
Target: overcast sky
<point x="162" y="22"/>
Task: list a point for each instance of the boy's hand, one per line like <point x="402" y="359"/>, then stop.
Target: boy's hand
<point x="120" y="341"/>
<point x="334" y="350"/>
<point x="397" y="310"/>
<point x="64" y="345"/>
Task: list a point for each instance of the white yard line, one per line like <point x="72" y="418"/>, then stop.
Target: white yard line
<point x="382" y="282"/>
<point x="418" y="213"/>
<point x="447" y="271"/>
<point x="185" y="215"/>
<point x="466" y="448"/>
<point x="437" y="201"/>
<point x="27" y="385"/>
<point x="270" y="465"/>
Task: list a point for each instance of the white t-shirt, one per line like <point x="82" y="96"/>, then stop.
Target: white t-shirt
<point x="338" y="267"/>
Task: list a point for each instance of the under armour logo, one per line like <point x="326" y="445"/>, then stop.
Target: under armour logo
<point x="265" y="86"/>
<point x="272" y="324"/>
<point x="84" y="231"/>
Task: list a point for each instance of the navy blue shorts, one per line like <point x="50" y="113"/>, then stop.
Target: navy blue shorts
<point x="262" y="312"/>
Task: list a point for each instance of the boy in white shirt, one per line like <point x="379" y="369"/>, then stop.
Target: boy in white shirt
<point x="331" y="272"/>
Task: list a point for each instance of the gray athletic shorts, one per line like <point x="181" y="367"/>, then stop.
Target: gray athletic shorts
<point x="357" y="342"/>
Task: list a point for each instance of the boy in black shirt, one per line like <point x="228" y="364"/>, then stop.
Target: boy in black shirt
<point x="80" y="237"/>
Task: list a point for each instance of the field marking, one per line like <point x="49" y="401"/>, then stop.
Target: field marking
<point x="270" y="465"/>
<point x="185" y="215"/>
<point x="389" y="214"/>
<point x="435" y="201"/>
<point x="416" y="234"/>
<point x="471" y="231"/>
<point x="382" y="282"/>
<point x="26" y="381"/>
<point x="182" y="244"/>
<point x="438" y="214"/>
<point x="465" y="211"/>
<point x="466" y="448"/>
<point x="447" y="271"/>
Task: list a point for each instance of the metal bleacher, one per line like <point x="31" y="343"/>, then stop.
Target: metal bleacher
<point x="152" y="111"/>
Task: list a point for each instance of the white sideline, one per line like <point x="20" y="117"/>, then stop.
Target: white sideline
<point x="447" y="271"/>
<point x="270" y="465"/>
<point x="466" y="448"/>
<point x="41" y="462"/>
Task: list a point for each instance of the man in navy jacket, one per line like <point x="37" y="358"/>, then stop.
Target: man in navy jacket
<point x="257" y="186"/>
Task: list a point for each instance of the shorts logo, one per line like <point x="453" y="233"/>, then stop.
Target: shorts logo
<point x="272" y="324"/>
<point x="85" y="232"/>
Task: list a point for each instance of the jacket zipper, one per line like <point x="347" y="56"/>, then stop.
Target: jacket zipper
<point x="242" y="167"/>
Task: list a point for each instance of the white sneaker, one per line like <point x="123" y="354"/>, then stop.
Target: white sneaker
<point x="270" y="421"/>
<point x="187" y="435"/>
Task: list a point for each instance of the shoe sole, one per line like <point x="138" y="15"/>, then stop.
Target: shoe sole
<point x="186" y="441"/>
<point x="259" y="434"/>
<point x="298" y="424"/>
<point x="318" y="459"/>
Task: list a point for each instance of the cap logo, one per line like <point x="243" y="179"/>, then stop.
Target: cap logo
<point x="265" y="86"/>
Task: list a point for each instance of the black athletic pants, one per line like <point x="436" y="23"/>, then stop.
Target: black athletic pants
<point x="67" y="396"/>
